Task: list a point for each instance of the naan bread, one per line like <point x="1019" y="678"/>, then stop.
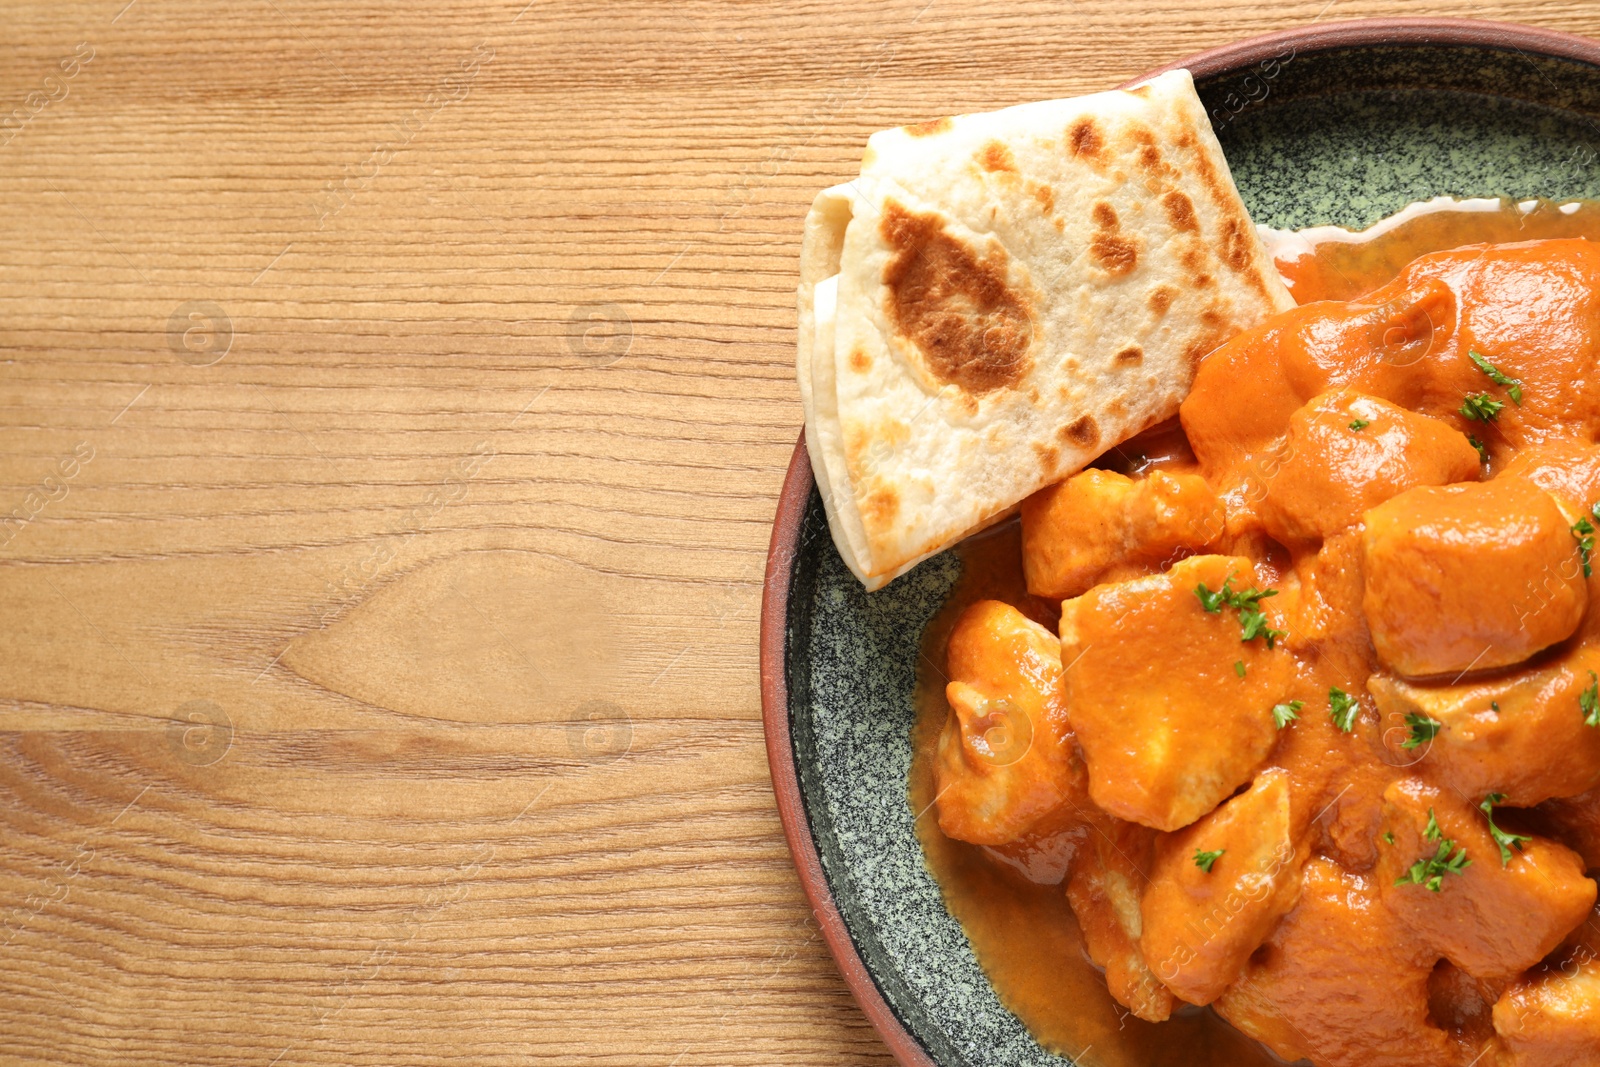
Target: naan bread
<point x="1000" y="298"/>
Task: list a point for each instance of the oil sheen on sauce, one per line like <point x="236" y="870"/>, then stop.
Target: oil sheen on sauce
<point x="1022" y="932"/>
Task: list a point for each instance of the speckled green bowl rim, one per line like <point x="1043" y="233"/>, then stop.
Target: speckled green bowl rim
<point x="797" y="486"/>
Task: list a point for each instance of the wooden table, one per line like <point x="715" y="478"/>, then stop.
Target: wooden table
<point x="394" y="400"/>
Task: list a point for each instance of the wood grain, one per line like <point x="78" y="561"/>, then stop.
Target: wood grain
<point x="394" y="401"/>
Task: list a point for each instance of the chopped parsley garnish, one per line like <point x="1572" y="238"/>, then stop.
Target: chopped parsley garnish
<point x="1431" y="871"/>
<point x="1503" y="838"/>
<point x="1212" y="602"/>
<point x="1589" y="701"/>
<point x="1483" y="449"/>
<point x="1342" y="708"/>
<point x="1229" y="596"/>
<point x="1583" y="530"/>
<point x="1207" y="860"/>
<point x="1360" y="424"/>
<point x="1238" y="667"/>
<point x="1513" y="386"/>
<point x="1252" y="622"/>
<point x="1423" y="729"/>
<point x="1480" y="407"/>
<point x="1388" y="836"/>
<point x="1284" y="714"/>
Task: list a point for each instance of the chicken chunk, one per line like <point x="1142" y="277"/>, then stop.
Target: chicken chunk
<point x="1567" y="470"/>
<point x="1347" y="453"/>
<point x="1077" y="532"/>
<point x="1104" y="889"/>
<point x="1466" y="577"/>
<point x="1531" y="310"/>
<point x="1284" y="362"/>
<point x="1202" y="924"/>
<point x="1005" y="759"/>
<point x="1489" y="917"/>
<point x="1340" y="981"/>
<point x="1328" y="609"/>
<point x="1551" y="1017"/>
<point x="1171" y="705"/>
<point x="1524" y="735"/>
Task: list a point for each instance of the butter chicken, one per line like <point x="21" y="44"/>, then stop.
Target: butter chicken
<point x="1297" y="701"/>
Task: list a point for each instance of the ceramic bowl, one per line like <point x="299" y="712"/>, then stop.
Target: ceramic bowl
<point x="1342" y="123"/>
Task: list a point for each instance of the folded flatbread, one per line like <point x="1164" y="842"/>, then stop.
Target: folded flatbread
<point x="1000" y="298"/>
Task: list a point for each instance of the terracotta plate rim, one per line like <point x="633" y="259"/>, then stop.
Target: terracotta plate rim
<point x="798" y="482"/>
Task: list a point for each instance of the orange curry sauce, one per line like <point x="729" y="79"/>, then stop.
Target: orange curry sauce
<point x="1317" y="953"/>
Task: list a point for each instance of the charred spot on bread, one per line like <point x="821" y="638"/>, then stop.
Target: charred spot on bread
<point x="1180" y="211"/>
<point x="1084" y="139"/>
<point x="1083" y="432"/>
<point x="1115" y="254"/>
<point x="1148" y="154"/>
<point x="1160" y="299"/>
<point x="1104" y="215"/>
<point x="1049" y="457"/>
<point x="1046" y="197"/>
<point x="954" y="305"/>
<point x="1235" y="244"/>
<point x="928" y="128"/>
<point x="1235" y="228"/>
<point x="1203" y="343"/>
<point x="1131" y="354"/>
<point x="860" y="361"/>
<point x="1209" y="177"/>
<point x="880" y="506"/>
<point x="996" y="156"/>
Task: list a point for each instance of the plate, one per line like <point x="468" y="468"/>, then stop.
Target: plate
<point x="1344" y="123"/>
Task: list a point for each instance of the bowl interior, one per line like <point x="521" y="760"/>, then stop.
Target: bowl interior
<point x="1347" y="137"/>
